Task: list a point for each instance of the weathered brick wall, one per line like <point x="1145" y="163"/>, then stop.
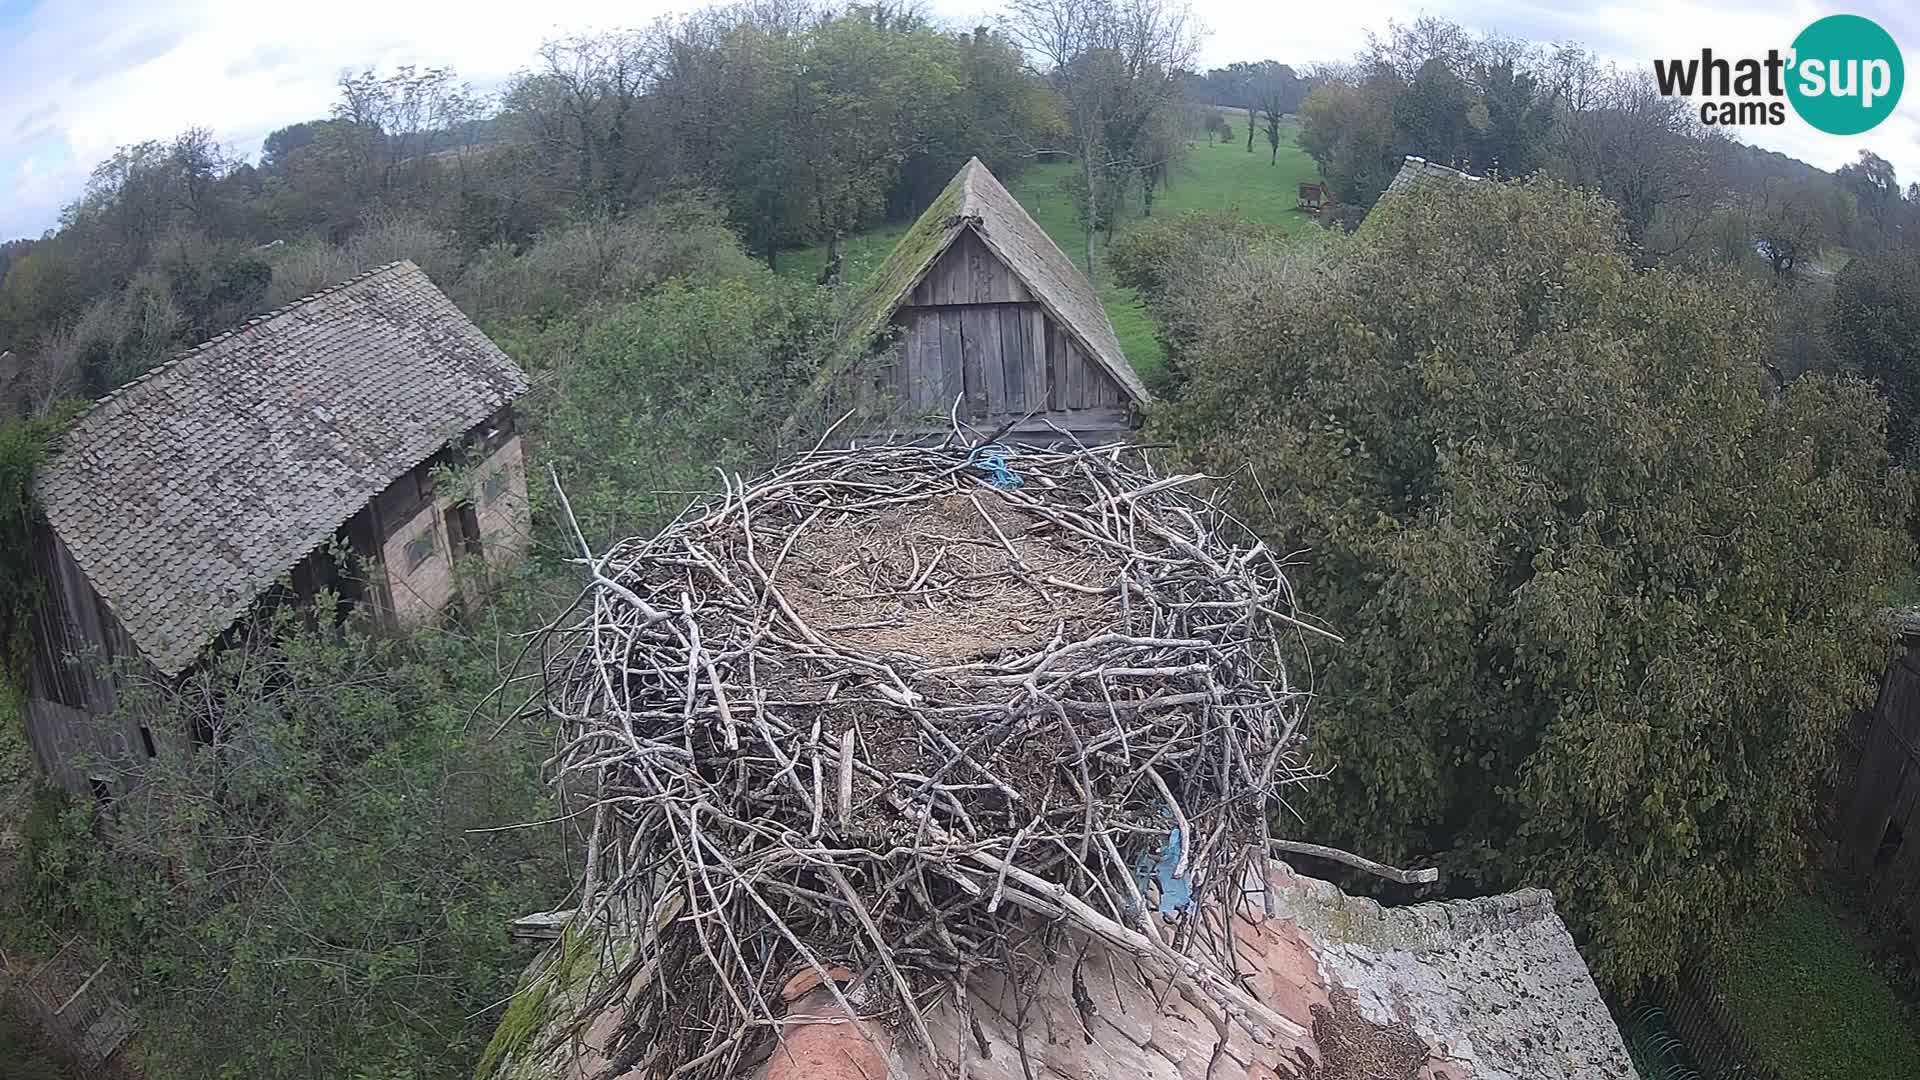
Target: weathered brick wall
<point x="499" y="498"/>
<point x="505" y="519"/>
<point x="420" y="593"/>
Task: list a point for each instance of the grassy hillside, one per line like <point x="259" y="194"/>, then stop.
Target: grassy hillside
<point x="1218" y="177"/>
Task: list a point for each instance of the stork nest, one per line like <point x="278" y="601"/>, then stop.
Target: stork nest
<point x="875" y="713"/>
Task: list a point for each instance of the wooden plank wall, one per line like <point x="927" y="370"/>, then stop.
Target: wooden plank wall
<point x="969" y="274"/>
<point x="1880" y="823"/>
<point x="972" y="329"/>
<point x="72" y="685"/>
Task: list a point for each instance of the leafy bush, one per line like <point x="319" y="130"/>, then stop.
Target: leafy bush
<point x="1605" y="608"/>
<point x="23" y="446"/>
<point x="323" y="868"/>
<point x="309" y="265"/>
<point x="1874" y="325"/>
<point x="1190" y="266"/>
<point x="605" y="261"/>
<point x="639" y="404"/>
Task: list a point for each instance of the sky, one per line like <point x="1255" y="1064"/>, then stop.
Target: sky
<point x="81" y="77"/>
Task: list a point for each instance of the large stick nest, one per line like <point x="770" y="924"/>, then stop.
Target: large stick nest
<point x="880" y="712"/>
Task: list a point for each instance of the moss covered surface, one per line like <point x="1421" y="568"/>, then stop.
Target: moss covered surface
<point x="554" y="986"/>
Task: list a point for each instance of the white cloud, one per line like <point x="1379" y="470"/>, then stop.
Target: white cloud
<point x="78" y="78"/>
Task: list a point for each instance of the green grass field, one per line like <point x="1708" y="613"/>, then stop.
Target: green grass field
<point x="1213" y="178"/>
<point x="1804" y="994"/>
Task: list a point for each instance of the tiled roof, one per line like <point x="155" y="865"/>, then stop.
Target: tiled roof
<point x="1482" y="989"/>
<point x="975" y="199"/>
<point x="185" y="493"/>
<point x="1418" y="170"/>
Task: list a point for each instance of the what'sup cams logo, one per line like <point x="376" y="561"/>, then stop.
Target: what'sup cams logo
<point x="1843" y="75"/>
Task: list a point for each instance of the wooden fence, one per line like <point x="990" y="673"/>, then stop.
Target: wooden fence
<point x="1701" y="1019"/>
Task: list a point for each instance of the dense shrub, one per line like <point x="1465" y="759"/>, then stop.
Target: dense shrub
<point x="309" y="265"/>
<point x="604" y="260"/>
<point x="324" y="870"/>
<point x="639" y="404"/>
<point x="1605" y="608"/>
<point x="1189" y="266"/>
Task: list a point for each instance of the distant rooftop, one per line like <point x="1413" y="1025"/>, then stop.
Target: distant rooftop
<point x="1415" y="171"/>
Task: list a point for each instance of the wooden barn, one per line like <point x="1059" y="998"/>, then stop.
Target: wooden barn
<point x="1315" y="197"/>
<point x="978" y="314"/>
<point x="234" y="474"/>
<point x="1878" y="825"/>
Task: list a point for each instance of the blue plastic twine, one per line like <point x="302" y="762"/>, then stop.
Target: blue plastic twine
<point x="992" y="460"/>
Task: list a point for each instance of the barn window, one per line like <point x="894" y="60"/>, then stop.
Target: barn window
<point x="494" y="486"/>
<point x="146" y="741"/>
<point x="420" y="549"/>
<point x="102" y="788"/>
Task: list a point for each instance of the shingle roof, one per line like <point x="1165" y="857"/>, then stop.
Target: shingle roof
<point x="975" y="199"/>
<point x="185" y="493"/>
<point x="1418" y="170"/>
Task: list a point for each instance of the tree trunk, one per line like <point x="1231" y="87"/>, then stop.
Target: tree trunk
<point x="1249" y="129"/>
<point x="830" y="275"/>
<point x="1093" y="206"/>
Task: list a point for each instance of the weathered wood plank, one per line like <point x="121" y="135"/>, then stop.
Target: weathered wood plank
<point x="1076" y="375"/>
<point x="1014" y="353"/>
<point x="952" y="357"/>
<point x="956" y="282"/>
<point x="1036" y="357"/>
<point x="970" y="359"/>
<point x="973" y="287"/>
<point x="1056" y="370"/>
<point x="1885" y="764"/>
<point x="924" y="369"/>
<point x="993" y="364"/>
<point x="953" y="378"/>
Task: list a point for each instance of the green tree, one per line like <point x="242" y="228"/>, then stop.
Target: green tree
<point x="1118" y="66"/>
<point x="1513" y="120"/>
<point x="1793" y="220"/>
<point x="1346" y="126"/>
<point x="1605" y="608"/>
<point x="1874" y="330"/>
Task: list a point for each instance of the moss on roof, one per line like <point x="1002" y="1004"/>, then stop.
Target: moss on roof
<point x="910" y="258"/>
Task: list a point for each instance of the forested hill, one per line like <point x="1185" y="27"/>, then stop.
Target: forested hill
<point x="804" y="128"/>
<point x="798" y="126"/>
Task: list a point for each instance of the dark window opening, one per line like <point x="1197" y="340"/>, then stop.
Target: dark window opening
<point x="102" y="789"/>
<point x="146" y="741"/>
<point x="463" y="530"/>
<point x="420" y="549"/>
<point x="494" y="486"/>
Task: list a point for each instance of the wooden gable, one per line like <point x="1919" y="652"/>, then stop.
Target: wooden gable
<point x="972" y="329"/>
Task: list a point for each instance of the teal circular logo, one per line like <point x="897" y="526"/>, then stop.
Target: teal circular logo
<point x="1846" y="74"/>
